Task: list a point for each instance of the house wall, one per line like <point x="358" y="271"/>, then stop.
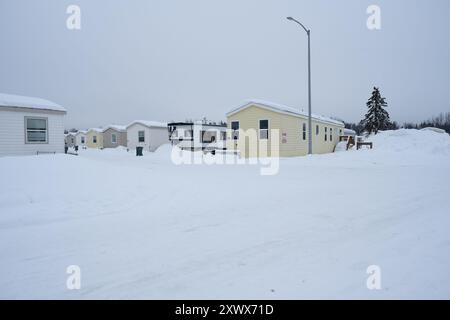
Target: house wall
<point x="70" y="140"/>
<point x="12" y="132"/>
<point x="290" y="140"/>
<point x="107" y="138"/>
<point x="154" y="137"/>
<point x="89" y="139"/>
<point x="78" y="139"/>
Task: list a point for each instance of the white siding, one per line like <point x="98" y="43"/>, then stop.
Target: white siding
<point x="78" y="142"/>
<point x="154" y="137"/>
<point x="12" y="132"/>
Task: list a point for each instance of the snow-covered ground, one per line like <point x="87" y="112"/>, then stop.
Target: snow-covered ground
<point x="146" y="228"/>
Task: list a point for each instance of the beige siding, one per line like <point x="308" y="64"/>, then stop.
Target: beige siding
<point x="90" y="142"/>
<point x="290" y="140"/>
<point x="121" y="138"/>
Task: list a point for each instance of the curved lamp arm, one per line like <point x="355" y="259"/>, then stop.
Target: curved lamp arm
<point x="304" y="28"/>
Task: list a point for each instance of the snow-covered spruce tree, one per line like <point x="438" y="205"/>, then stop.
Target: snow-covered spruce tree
<point x="377" y="118"/>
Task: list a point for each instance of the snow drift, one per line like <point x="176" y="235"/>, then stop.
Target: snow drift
<point x="142" y="227"/>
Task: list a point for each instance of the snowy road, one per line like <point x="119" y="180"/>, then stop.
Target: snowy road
<point x="146" y="228"/>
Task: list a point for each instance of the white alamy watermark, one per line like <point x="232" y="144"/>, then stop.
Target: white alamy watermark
<point x="73" y="22"/>
<point x="73" y="281"/>
<point x="244" y="148"/>
<point x="374" y="19"/>
<point x="374" y="280"/>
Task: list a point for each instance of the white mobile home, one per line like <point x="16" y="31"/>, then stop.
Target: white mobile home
<point x="147" y="134"/>
<point x="81" y="138"/>
<point x="30" y="126"/>
<point x="70" y="139"/>
<point x="198" y="135"/>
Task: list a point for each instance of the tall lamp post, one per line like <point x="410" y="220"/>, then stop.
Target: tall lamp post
<point x="308" y="32"/>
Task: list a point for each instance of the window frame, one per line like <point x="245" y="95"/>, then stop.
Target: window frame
<point x="94" y="139"/>
<point x="26" y="118"/>
<point x="317" y="130"/>
<point x="235" y="132"/>
<point x="112" y="140"/>
<point x="326" y="134"/>
<point x="260" y="130"/>
<point x="143" y="136"/>
<point x="304" y="131"/>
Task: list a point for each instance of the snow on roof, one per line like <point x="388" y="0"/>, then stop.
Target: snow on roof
<point x="99" y="130"/>
<point x="349" y="132"/>
<point x="15" y="101"/>
<point x="81" y="131"/>
<point x="115" y="127"/>
<point x="149" y="123"/>
<point x="282" y="108"/>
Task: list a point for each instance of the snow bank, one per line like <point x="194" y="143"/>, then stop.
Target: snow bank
<point x="341" y="146"/>
<point x="412" y="141"/>
<point x="142" y="227"/>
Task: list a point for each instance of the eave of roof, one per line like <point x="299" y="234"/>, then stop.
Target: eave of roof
<point x="279" y="108"/>
<point x="16" y="101"/>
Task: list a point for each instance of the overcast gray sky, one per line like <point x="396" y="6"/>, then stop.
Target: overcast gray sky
<point x="178" y="59"/>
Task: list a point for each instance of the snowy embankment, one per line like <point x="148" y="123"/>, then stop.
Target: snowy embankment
<point x="142" y="227"/>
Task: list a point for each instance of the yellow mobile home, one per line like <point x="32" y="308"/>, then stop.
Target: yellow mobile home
<point x="261" y="128"/>
<point x="94" y="138"/>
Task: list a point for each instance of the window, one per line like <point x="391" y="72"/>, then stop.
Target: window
<point x="317" y="130"/>
<point x="188" y="133"/>
<point x="73" y="141"/>
<point x="82" y="140"/>
<point x="264" y="129"/>
<point x="94" y="139"/>
<point x="326" y="133"/>
<point x="304" y="131"/>
<point x="141" y="136"/>
<point x="235" y="130"/>
<point x="331" y="134"/>
<point x="223" y="135"/>
<point x="209" y="136"/>
<point x="113" y="138"/>
<point x="36" y="130"/>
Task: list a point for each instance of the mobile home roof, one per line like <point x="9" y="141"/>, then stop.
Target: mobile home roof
<point x="276" y="107"/>
<point x="15" y="101"/>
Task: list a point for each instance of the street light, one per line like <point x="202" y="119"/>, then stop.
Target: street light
<point x="308" y="32"/>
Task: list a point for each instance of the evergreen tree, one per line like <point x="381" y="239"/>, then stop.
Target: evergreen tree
<point x="377" y="118"/>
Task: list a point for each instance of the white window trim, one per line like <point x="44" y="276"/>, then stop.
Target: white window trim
<point x="113" y="135"/>
<point x="259" y="129"/>
<point x="26" y="130"/>
<point x="139" y="131"/>
<point x="235" y="131"/>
